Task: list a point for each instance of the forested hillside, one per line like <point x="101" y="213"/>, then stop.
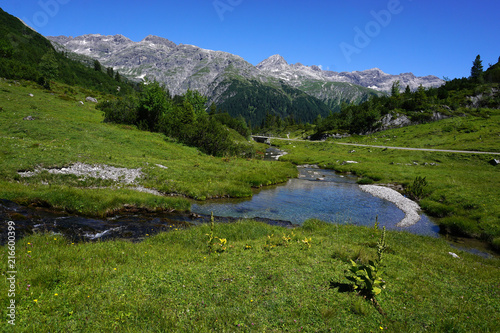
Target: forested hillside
<point x="456" y="97"/>
<point x="27" y="55"/>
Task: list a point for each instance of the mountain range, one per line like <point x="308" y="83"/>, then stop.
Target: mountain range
<point x="273" y="86"/>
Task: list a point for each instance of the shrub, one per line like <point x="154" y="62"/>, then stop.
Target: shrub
<point x="122" y="111"/>
<point x="416" y="190"/>
<point x="367" y="277"/>
<point x="496" y="243"/>
<point x="365" y="181"/>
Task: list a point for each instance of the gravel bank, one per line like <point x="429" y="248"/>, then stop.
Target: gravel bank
<point x="121" y="175"/>
<point x="409" y="207"/>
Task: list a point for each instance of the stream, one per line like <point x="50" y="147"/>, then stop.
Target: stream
<point x="317" y="193"/>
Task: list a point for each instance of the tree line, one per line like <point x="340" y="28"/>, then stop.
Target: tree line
<point x="419" y="105"/>
<point x="182" y="117"/>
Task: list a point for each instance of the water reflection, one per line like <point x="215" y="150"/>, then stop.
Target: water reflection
<point x="320" y="194"/>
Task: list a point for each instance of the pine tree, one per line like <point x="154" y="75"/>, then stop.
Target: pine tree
<point x="407" y="91"/>
<point x="110" y="71"/>
<point x="395" y="89"/>
<point x="6" y="49"/>
<point x="476" y="72"/>
<point x="97" y="66"/>
<point x="49" y="68"/>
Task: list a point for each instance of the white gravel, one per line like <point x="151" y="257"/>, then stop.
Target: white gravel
<point x="122" y="175"/>
<point x="409" y="207"/>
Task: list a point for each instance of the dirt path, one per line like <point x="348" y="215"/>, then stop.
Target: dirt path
<point x="400" y="148"/>
<point x="421" y="149"/>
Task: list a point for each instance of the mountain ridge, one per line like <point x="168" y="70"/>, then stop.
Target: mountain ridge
<point x="373" y="78"/>
<point x="216" y="74"/>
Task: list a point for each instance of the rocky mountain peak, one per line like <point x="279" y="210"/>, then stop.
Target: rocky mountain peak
<point x="274" y="62"/>
<point x="159" y="41"/>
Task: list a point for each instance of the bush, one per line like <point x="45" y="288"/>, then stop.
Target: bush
<point x="496" y="243"/>
<point x="238" y="124"/>
<point x="365" y="181"/>
<point x="416" y="190"/>
<point x="122" y="111"/>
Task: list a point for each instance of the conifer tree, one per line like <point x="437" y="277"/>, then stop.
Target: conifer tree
<point x="407" y="91"/>
<point x="476" y="72"/>
<point x="395" y="89"/>
<point x="97" y="66"/>
<point x="49" y="68"/>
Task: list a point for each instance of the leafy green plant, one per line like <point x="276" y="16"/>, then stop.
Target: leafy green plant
<point x="307" y="243"/>
<point x="215" y="244"/>
<point x="273" y="241"/>
<point x="367" y="277"/>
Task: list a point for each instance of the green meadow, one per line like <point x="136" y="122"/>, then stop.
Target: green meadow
<point x="253" y="277"/>
<point x="264" y="279"/>
<point x="64" y="132"/>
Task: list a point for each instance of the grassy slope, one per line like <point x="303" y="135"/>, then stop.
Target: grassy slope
<point x="479" y="131"/>
<point x="170" y="283"/>
<point x="65" y="132"/>
<point x="463" y="188"/>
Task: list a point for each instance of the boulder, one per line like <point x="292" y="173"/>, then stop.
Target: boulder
<point x="495" y="162"/>
<point x="91" y="99"/>
<point x="388" y="121"/>
<point x="28" y="118"/>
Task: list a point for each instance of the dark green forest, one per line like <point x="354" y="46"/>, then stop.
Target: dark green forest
<point x="286" y="103"/>
<point x="27" y="55"/>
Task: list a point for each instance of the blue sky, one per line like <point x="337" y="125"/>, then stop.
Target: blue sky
<point x="439" y="37"/>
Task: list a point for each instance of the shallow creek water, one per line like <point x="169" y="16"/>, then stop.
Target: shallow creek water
<point x="320" y="194"/>
<point x="317" y="193"/>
